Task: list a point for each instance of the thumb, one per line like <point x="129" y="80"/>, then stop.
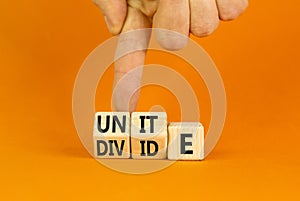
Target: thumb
<point x="114" y="12"/>
<point x="130" y="54"/>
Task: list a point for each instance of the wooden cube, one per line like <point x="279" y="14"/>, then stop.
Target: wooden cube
<point x="111" y="135"/>
<point x="186" y="141"/>
<point x="149" y="135"/>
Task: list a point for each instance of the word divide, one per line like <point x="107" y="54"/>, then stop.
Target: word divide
<point x="146" y="135"/>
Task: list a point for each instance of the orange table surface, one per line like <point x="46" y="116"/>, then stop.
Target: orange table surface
<point x="42" y="46"/>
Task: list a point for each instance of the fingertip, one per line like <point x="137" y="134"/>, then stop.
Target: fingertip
<point x="127" y="84"/>
<point x="171" y="40"/>
<point x="172" y="24"/>
<point x="204" y="30"/>
<point x="122" y="106"/>
<point x="204" y="17"/>
<point x="230" y="10"/>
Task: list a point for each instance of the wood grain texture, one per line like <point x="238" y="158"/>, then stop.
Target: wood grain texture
<point x="111" y="135"/>
<point x="150" y="134"/>
<point x="186" y="141"/>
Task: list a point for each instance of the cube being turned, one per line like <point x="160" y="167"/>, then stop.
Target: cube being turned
<point x="149" y="135"/>
<point x="111" y="135"/>
<point x="186" y="141"/>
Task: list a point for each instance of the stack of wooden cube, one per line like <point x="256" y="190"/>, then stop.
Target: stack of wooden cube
<point x="146" y="135"/>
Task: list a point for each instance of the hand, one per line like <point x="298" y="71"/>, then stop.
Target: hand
<point x="199" y="17"/>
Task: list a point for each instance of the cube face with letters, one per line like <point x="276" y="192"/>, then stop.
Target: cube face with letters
<point x="111" y="135"/>
<point x="186" y="141"/>
<point x="149" y="135"/>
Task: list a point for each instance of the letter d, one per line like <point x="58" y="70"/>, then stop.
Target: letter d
<point x="99" y="153"/>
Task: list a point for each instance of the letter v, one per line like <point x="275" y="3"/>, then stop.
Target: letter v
<point x="120" y="151"/>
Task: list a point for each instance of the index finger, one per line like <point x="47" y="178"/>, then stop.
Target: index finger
<point x="126" y="95"/>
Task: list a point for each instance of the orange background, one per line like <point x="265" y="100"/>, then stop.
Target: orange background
<point x="42" y="46"/>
